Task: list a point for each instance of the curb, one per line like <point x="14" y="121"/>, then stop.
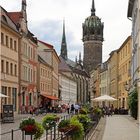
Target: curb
<point x="99" y="130"/>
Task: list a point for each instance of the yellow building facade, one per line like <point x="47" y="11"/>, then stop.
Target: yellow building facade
<point x="113" y="76"/>
<point x="124" y="73"/>
<point x="9" y="77"/>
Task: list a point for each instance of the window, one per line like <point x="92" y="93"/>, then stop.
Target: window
<point x="7" y="42"/>
<point x="2" y="38"/>
<point x="11" y="69"/>
<point x="2" y="66"/>
<point x="15" y="45"/>
<point x="11" y="43"/>
<point x="15" y="70"/>
<point x="7" y="67"/>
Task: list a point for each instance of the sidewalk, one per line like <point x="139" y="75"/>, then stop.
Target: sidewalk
<point x="121" y="127"/>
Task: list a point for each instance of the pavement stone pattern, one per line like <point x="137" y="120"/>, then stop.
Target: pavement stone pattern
<point x="121" y="127"/>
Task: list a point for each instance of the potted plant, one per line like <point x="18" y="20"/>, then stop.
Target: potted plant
<point x="49" y="121"/>
<point x="78" y="131"/>
<point x="31" y="127"/>
<point x="85" y="120"/>
<point x="64" y="126"/>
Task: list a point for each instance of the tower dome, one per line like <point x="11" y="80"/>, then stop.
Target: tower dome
<point x="92" y="40"/>
<point x="93" y="27"/>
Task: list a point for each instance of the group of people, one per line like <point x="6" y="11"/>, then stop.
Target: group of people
<point x="72" y="108"/>
<point x="107" y="111"/>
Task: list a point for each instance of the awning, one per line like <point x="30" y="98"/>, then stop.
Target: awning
<point x="50" y="97"/>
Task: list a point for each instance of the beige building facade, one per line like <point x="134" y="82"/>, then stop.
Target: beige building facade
<point x="94" y="85"/>
<point x="44" y="81"/>
<point x="9" y="77"/>
<point x="27" y="61"/>
<point x="113" y="76"/>
<point x="124" y="72"/>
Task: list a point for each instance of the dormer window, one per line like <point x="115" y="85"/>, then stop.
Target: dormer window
<point x="4" y="18"/>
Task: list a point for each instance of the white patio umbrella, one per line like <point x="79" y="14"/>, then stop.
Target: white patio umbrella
<point x="2" y="95"/>
<point x="104" y="98"/>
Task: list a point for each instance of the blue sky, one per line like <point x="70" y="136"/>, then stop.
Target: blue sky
<point x="45" y="20"/>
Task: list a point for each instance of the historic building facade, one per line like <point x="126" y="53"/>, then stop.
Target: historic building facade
<point x="124" y="73"/>
<point x="44" y="83"/>
<point x="134" y="15"/>
<point x="95" y="84"/>
<point x="92" y="39"/>
<point x="9" y="62"/>
<point x="68" y="86"/>
<point x="49" y="55"/>
<point x="104" y="79"/>
<point x="113" y="76"/>
<point x="28" y="61"/>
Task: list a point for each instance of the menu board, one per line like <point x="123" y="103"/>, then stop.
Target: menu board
<point x="8" y="113"/>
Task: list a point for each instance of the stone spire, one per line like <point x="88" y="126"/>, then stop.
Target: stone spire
<point x="93" y="9"/>
<point x="64" y="44"/>
<point x="23" y="10"/>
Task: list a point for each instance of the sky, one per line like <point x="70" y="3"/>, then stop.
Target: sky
<point x="45" y="21"/>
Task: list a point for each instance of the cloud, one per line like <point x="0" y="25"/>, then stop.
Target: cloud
<point x="51" y="31"/>
<point x="45" y="20"/>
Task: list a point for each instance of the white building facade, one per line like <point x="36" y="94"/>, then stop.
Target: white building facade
<point x="68" y="89"/>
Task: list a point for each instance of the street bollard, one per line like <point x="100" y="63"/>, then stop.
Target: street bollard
<point x="54" y="132"/>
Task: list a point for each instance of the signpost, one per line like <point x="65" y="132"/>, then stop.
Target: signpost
<point x="8" y="113"/>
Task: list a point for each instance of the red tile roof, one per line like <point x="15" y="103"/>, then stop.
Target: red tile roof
<point x="48" y="45"/>
<point x="15" y="16"/>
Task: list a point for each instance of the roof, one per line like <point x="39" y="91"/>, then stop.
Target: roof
<point x="47" y="44"/>
<point x="41" y="60"/>
<point x="63" y="65"/>
<point x="74" y="67"/>
<point x="15" y="16"/>
<point x="6" y="20"/>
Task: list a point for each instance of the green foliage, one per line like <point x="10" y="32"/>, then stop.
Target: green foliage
<point x="83" y="110"/>
<point x="39" y="131"/>
<point x="133" y="103"/>
<point x="84" y="119"/>
<point x="49" y="121"/>
<point x="78" y="132"/>
<point x="98" y="111"/>
<point x="64" y="123"/>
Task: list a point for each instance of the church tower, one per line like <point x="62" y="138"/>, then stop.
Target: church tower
<point x="63" y="53"/>
<point x="92" y="40"/>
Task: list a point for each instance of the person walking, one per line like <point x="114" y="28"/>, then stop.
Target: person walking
<point x="68" y="108"/>
<point x="72" y="109"/>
